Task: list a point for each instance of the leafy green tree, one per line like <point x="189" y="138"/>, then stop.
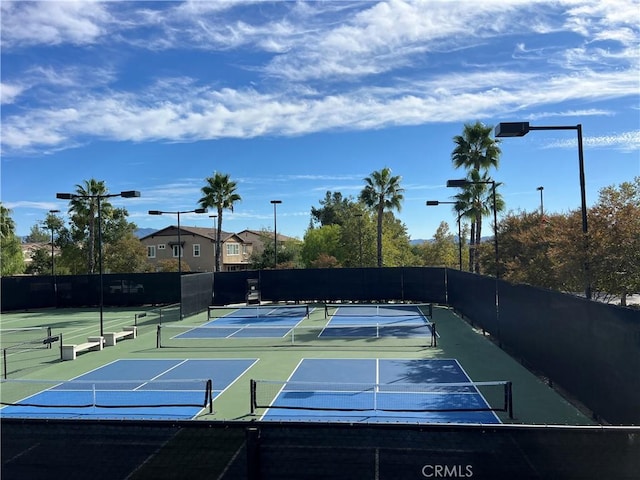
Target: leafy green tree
<point x="171" y="265"/>
<point x="11" y="257"/>
<point x="334" y="210"/>
<point x="442" y="251"/>
<point x="525" y="256"/>
<point x="321" y="242"/>
<point x="477" y="152"/>
<point x="614" y="241"/>
<point x="126" y="255"/>
<point x="396" y="243"/>
<point x="38" y="235"/>
<point x="289" y="253"/>
<point x="40" y="263"/>
<point x="219" y="192"/>
<point x="357" y="238"/>
<point x="382" y="192"/>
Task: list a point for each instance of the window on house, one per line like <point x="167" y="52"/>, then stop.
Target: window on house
<point x="233" y="249"/>
<point x="196" y="249"/>
<point x="177" y="253"/>
<point x="161" y="246"/>
<point x="151" y="251"/>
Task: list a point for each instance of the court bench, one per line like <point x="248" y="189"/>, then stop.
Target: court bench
<point x="69" y="352"/>
<point x="110" y="338"/>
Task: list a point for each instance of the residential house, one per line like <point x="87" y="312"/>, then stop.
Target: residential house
<point x="198" y="248"/>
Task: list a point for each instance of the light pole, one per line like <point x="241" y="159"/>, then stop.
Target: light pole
<point x="161" y="212"/>
<point x="359" y="216"/>
<point x="520" y="129"/>
<point x="275" y="234"/>
<point x="53" y="269"/>
<point x="99" y="198"/>
<point x="215" y="241"/>
<point x="434" y="203"/>
<point x="540" y="189"/>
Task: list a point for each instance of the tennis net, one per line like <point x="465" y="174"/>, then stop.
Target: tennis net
<point x="417" y="310"/>
<point x="330" y="336"/>
<point x="396" y="397"/>
<point x="260" y="311"/>
<point x="30" y="337"/>
<point x="107" y="393"/>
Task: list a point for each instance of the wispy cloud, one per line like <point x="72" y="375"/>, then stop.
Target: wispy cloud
<point x="309" y="70"/>
<point x="625" y="142"/>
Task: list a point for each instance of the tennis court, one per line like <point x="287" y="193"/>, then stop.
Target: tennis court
<point x="162" y="389"/>
<point x="291" y="324"/>
<point x="381" y="390"/>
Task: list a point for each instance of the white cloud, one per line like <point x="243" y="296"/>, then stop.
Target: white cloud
<point x="52" y="23"/>
<point x="343" y="42"/>
<point x="625" y="141"/>
<point x="9" y="92"/>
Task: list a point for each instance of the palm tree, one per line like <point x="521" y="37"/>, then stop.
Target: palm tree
<point x="474" y="202"/>
<point x="382" y="191"/>
<point x="84" y="213"/>
<point x="7" y="225"/>
<point x="477" y="151"/>
<point x="219" y="192"/>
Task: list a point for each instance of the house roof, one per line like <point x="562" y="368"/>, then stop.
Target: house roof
<point x="208" y="233"/>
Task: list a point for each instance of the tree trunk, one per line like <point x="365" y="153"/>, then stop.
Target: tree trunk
<point x="472" y="239"/>
<point x="218" y="240"/>
<point x="380" y="214"/>
<point x="478" y="240"/>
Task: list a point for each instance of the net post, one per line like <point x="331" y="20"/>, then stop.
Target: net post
<point x="158" y="337"/>
<point x="434" y="339"/>
<point x="326" y="311"/>
<point x="252" y="390"/>
<point x="209" y="395"/>
<point x="508" y="394"/>
<point x="48" y="336"/>
<point x="61" y="346"/>
<point x="4" y="363"/>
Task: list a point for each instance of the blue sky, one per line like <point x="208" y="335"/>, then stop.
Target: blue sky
<point x="293" y="99"/>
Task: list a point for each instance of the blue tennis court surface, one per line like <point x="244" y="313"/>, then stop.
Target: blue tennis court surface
<point x="368" y="321"/>
<point x="360" y="321"/>
<point x="250" y="322"/>
<point x="369" y="390"/>
<point x="167" y="389"/>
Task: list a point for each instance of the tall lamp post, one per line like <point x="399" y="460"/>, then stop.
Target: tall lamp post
<point x="99" y="198"/>
<point x="275" y="234"/>
<point x="53" y="268"/>
<point x="162" y="212"/>
<point x="540" y="189"/>
<point x="215" y="241"/>
<point x="434" y="203"/>
<point x="520" y="129"/>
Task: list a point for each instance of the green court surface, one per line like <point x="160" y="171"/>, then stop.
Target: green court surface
<point x="534" y="402"/>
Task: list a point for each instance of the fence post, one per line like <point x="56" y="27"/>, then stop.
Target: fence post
<point x="253" y="453"/>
